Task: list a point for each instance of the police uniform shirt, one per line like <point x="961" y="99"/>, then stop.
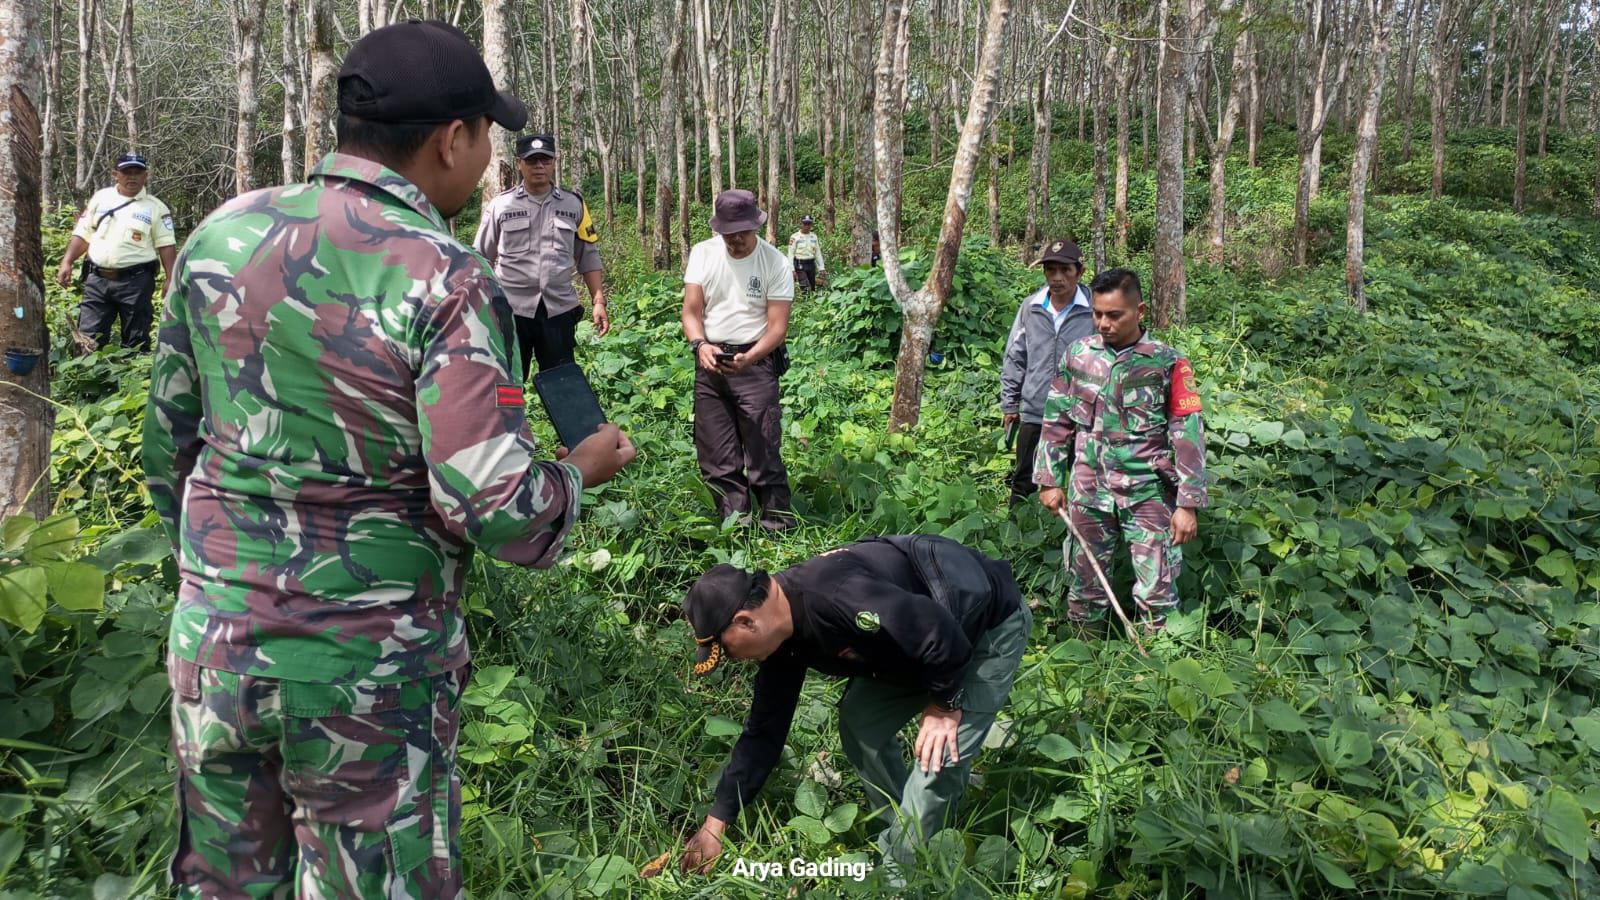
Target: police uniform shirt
<point x="859" y="611"/>
<point x="536" y="245"/>
<point x="131" y="235"/>
<point x="804" y="246"/>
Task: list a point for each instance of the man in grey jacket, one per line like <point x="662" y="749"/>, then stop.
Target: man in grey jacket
<point x="1047" y="323"/>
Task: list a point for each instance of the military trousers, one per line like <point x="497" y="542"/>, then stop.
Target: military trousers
<point x="872" y="714"/>
<point x="738" y="437"/>
<point x="127" y="301"/>
<point x="315" y="790"/>
<point x="1146" y="528"/>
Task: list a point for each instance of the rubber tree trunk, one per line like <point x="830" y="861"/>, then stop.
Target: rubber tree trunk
<point x="26" y="417"/>
<point x="321" y="96"/>
<point x="1382" y="24"/>
<point x="920" y="310"/>
<point x="1167" y="288"/>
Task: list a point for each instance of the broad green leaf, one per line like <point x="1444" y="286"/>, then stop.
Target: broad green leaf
<point x="1335" y="875"/>
<point x="1564" y="825"/>
<point x="1056" y="748"/>
<point x="149" y="693"/>
<point x="488" y="683"/>
<point x="1588" y="729"/>
<point x="811" y="798"/>
<point x="53" y="539"/>
<point x="722" y="726"/>
<point x="1345" y="749"/>
<point x="76" y="586"/>
<point x="812" y="828"/>
<point x="22" y="596"/>
<point x="842" y="817"/>
<point x="1280" y="716"/>
<point x="14" y="532"/>
<point x="138" y="546"/>
<point x="112" y="887"/>
<point x="1266" y="432"/>
<point x="602" y="874"/>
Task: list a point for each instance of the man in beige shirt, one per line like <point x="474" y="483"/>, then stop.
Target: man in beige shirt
<point x="537" y="235"/>
<point x="124" y="230"/>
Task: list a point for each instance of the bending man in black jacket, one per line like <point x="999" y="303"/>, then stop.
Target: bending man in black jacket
<point x="923" y="627"/>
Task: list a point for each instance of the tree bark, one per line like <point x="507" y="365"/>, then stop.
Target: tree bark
<point x="1125" y="75"/>
<point x="992" y="201"/>
<point x="88" y="27"/>
<point x="1450" y="24"/>
<point x="1226" y="125"/>
<point x="1101" y="74"/>
<point x="1407" y="76"/>
<point x="1381" y="15"/>
<point x="1257" y="113"/>
<point x="1167" y="288"/>
<point x="864" y="197"/>
<point x="773" y="113"/>
<point x="497" y="55"/>
<point x="1489" y="59"/>
<point x="1552" y="40"/>
<point x="920" y="310"/>
<point x="289" y="78"/>
<point x="52" y="108"/>
<point x="708" y="56"/>
<point x="27" y="419"/>
<point x="670" y="128"/>
<point x="1038" y="187"/>
<point x="1317" y="47"/>
<point x="1594" y="118"/>
<point x="1520" y="181"/>
<point x="127" y="95"/>
<point x="321" y="93"/>
<point x="574" y="161"/>
<point x="246" y="22"/>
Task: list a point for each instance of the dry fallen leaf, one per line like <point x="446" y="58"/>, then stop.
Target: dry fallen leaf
<point x="656" y="865"/>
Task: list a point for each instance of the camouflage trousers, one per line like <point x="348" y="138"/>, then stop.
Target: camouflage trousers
<point x="1146" y="528"/>
<point x="315" y="790"/>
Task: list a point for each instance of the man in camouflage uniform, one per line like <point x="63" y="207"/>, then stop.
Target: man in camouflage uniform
<point x="334" y="423"/>
<point x="1123" y="418"/>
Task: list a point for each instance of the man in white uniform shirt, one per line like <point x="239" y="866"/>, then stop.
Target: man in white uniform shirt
<point x="126" y="233"/>
<point x="737" y="289"/>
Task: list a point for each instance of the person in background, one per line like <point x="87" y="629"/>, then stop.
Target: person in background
<point x="1123" y="450"/>
<point x="536" y="235"/>
<point x="737" y="290"/>
<point x="805" y="255"/>
<point x="1048" y="322"/>
<point x="125" y="231"/>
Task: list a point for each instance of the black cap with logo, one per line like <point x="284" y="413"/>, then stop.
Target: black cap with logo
<point x="132" y="160"/>
<point x="710" y="607"/>
<point x="420" y="73"/>
<point x="531" y="145"/>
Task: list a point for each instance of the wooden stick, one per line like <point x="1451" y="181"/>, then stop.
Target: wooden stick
<point x="1104" y="581"/>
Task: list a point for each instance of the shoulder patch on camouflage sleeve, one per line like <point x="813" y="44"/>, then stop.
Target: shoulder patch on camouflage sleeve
<point x="508" y="395"/>
<point x="1183" y="397"/>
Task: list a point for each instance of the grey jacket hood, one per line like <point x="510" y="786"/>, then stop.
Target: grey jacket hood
<point x="1034" y="350"/>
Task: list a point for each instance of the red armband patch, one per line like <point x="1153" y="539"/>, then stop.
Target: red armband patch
<point x="508" y="395"/>
<point x="1183" y="398"/>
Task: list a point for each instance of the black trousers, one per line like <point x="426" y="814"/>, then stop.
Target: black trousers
<point x="738" y="437"/>
<point x="1022" y="486"/>
<point x="550" y="338"/>
<point x="126" y="300"/>
<point x="805" y="274"/>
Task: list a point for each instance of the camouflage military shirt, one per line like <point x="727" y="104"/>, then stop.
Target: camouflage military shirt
<point x="333" y="424"/>
<point x="1130" y="421"/>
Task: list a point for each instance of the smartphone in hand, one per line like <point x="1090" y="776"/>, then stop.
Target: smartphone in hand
<point x="725" y="359"/>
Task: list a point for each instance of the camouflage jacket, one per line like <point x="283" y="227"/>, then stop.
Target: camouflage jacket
<point x="333" y="423"/>
<point x="1129" y="427"/>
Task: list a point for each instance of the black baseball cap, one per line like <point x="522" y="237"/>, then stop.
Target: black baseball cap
<point x="418" y="72"/>
<point x="531" y="145"/>
<point x="710" y="607"/>
<point x="132" y="160"/>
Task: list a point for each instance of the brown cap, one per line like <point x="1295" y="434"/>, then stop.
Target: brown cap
<point x="1062" y="251"/>
<point x="736" y="211"/>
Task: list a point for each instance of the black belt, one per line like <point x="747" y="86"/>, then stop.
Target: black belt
<point x="111" y="274"/>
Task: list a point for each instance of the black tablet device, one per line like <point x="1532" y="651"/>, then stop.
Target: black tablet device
<point x="570" y="402"/>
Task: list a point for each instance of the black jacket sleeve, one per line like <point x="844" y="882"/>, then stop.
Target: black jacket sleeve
<point x="924" y="631"/>
<point x="777" y="692"/>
